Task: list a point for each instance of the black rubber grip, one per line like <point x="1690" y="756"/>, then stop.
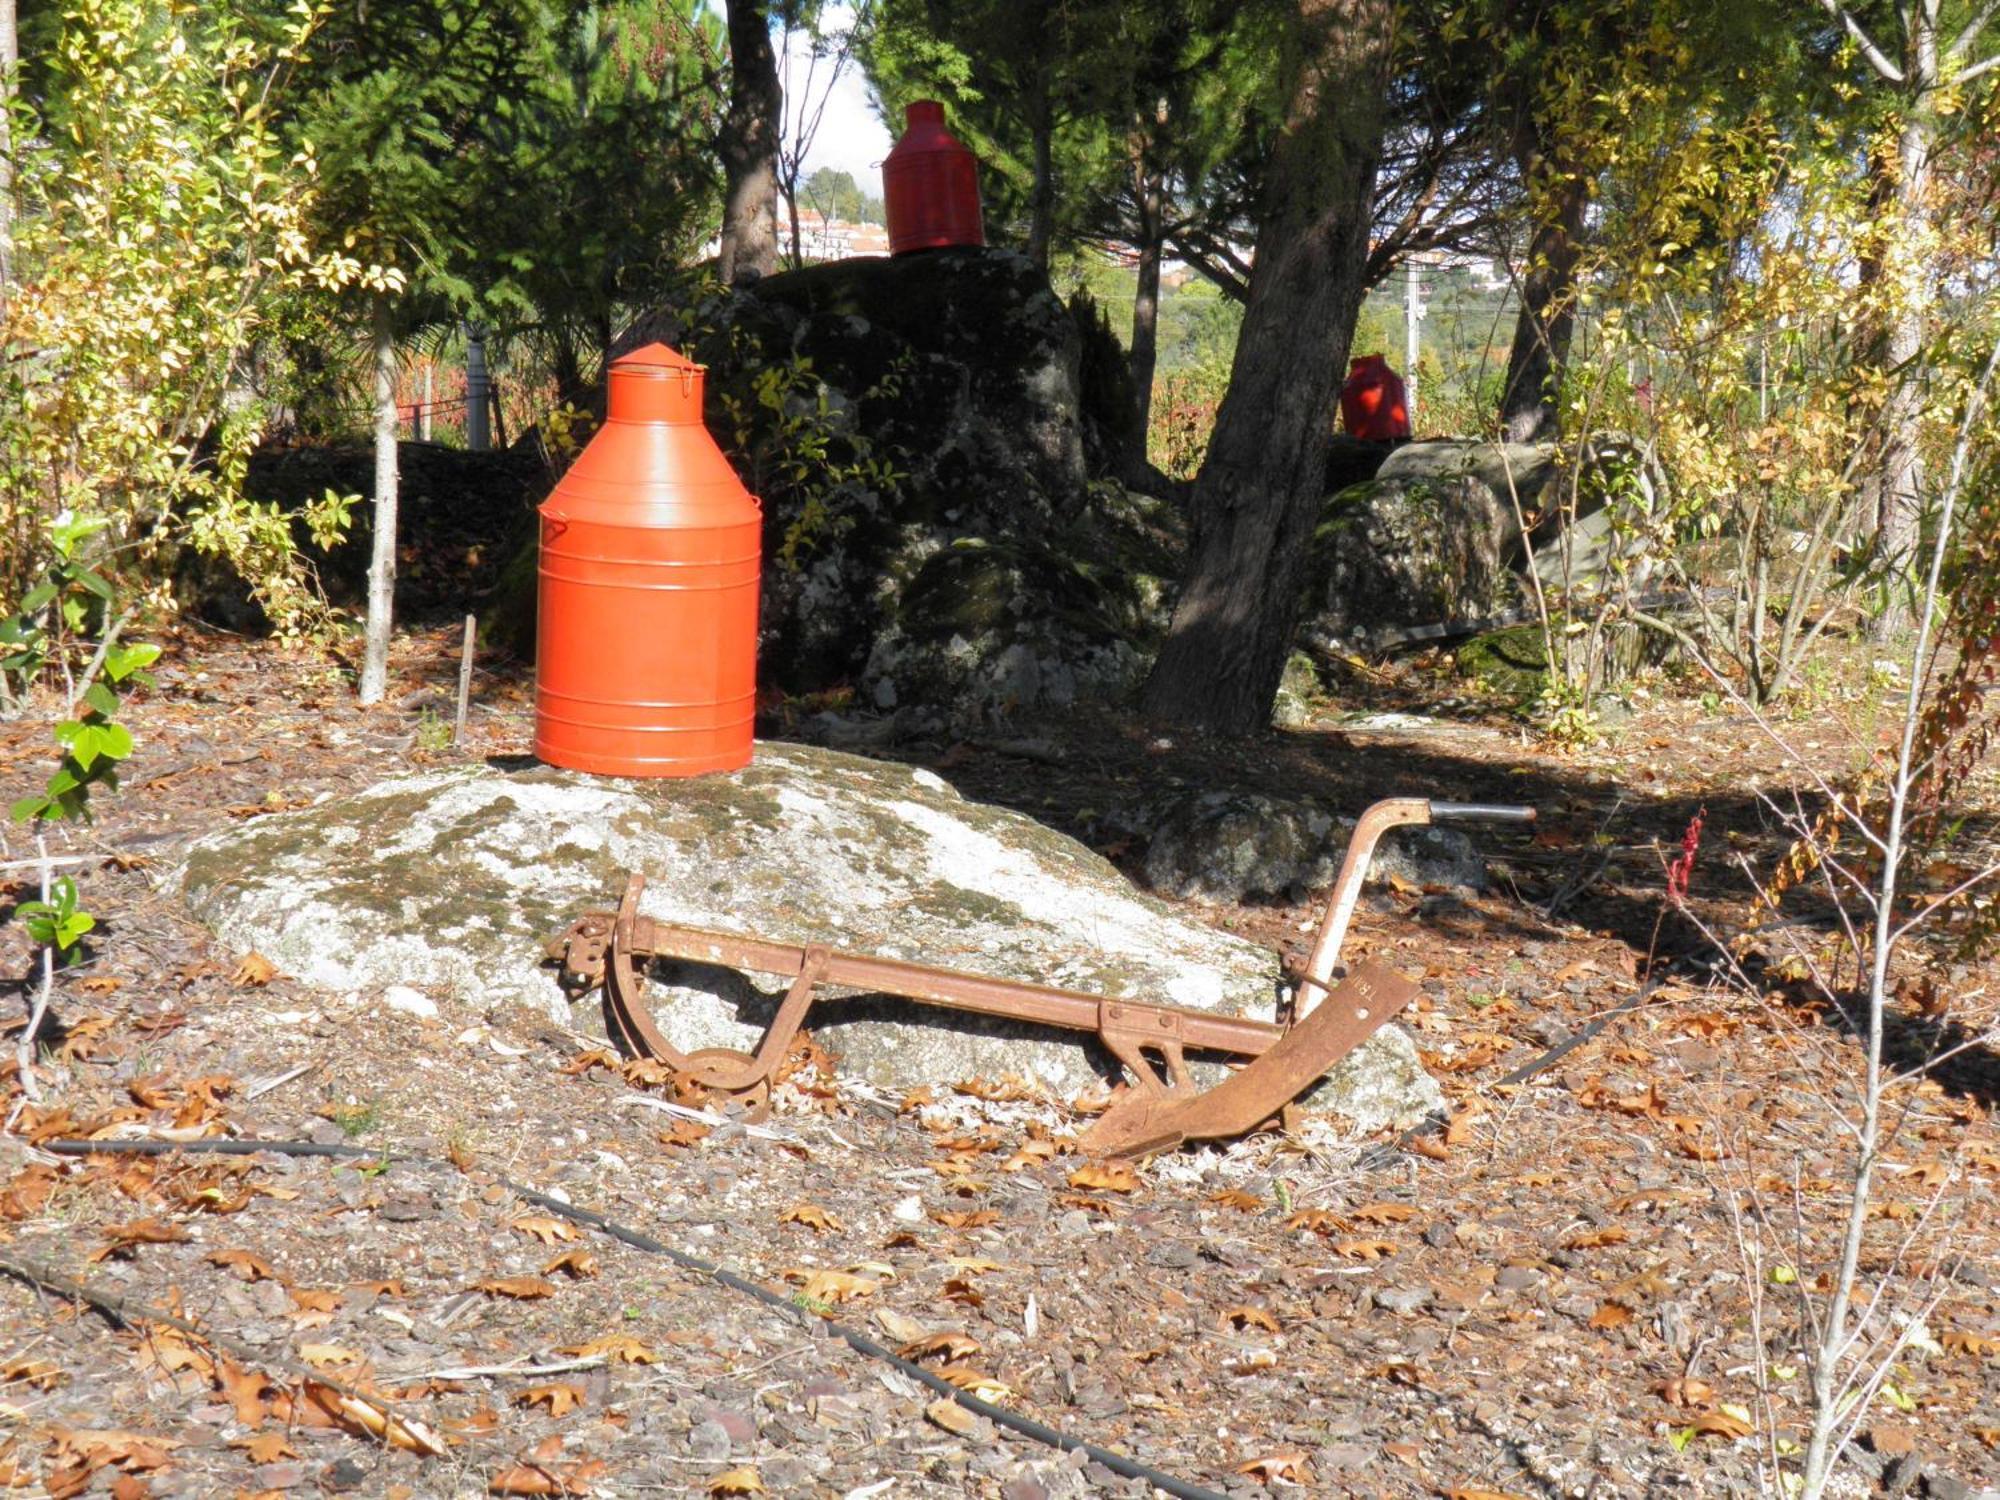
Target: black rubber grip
<point x="1480" y="812"/>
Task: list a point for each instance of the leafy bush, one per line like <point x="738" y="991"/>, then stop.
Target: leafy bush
<point x="157" y="217"/>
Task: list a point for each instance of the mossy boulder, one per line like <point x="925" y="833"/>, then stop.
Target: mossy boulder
<point x="1407" y="551"/>
<point x="1512" y="663"/>
<point x="889" y="410"/>
<point x="984" y="629"/>
<point x="451" y="881"/>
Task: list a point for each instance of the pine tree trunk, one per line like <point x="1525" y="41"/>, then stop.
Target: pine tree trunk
<point x="382" y="561"/>
<point x="1042" y="193"/>
<point x="1146" y="301"/>
<point x="748" y="145"/>
<point x="1258" y="496"/>
<point x="1529" y="409"/>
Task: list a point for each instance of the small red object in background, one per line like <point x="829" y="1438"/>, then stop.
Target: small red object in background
<point x="646" y="642"/>
<point x="1373" y="403"/>
<point x="1682" y="869"/>
<point x="930" y="185"/>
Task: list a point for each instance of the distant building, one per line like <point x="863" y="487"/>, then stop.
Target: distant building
<point x="821" y="238"/>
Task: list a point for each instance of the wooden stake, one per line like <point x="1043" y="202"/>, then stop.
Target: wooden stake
<point x="464" y="679"/>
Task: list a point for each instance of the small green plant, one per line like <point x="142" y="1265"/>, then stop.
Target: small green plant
<point x="799" y="450"/>
<point x="1567" y="720"/>
<point x="433" y="733"/>
<point x="58" y="922"/>
<point x="356" y="1119"/>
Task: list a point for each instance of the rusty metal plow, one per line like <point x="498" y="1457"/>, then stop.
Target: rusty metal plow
<point x="1331" y="1016"/>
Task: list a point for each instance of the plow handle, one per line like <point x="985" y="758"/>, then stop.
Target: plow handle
<point x="1480" y="812"/>
<point x="1392" y="812"/>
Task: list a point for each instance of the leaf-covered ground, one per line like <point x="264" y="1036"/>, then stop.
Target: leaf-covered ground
<point x="1590" y="1284"/>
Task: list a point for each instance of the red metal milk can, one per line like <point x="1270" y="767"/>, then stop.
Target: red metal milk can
<point x="1373" y="403"/>
<point x="646" y="640"/>
<point x="930" y="185"/>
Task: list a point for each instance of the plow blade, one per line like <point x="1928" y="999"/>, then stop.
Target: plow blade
<point x="1143" y="1123"/>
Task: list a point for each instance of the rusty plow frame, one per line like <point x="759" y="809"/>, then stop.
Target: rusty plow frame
<point x="1332" y="1014"/>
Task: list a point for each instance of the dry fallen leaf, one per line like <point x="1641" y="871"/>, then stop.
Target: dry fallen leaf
<point x="952" y="1417"/>
<point x="1683" y="1390"/>
<point x="812" y="1216"/>
<point x="1110" y="1177"/>
<point x="1246" y="1315"/>
<point x="547" y="1230"/>
<point x="521" y="1288"/>
<point x="252" y="970"/>
<point x="575" y="1262"/>
<point x="976" y="1265"/>
<point x="1596" y="1239"/>
<point x="1432" y="1146"/>
<point x="1975" y="1344"/>
<point x="1236" y="1198"/>
<point x="327" y="1356"/>
<point x="615" y="1349"/>
<point x="834" y="1286"/>
<point x="243" y="1263"/>
<point x="123" y="1239"/>
<point x="265" y="1447"/>
<point x="1289" y="1464"/>
<point x="38" y="1373"/>
<point x="559" y="1397"/>
<point x="974" y="1218"/>
<point x="980" y="1384"/>
<point x="246" y="1390"/>
<point x="539" y="1479"/>
<point x="1721" y="1424"/>
<point x="1316" y="1221"/>
<point x="1611" y="1315"/>
<point x="1365" y="1249"/>
<point x="1383" y="1213"/>
<point x="953" y="1346"/>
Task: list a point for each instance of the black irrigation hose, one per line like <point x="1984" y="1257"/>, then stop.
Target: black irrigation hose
<point x="1000" y="1416"/>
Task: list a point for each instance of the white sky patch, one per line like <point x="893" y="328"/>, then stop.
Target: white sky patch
<point x="851" y="136"/>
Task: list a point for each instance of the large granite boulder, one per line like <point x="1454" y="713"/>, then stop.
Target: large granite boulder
<point x="450" y="881"/>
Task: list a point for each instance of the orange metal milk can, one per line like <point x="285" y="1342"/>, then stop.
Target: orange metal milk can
<point x="930" y="185"/>
<point x="1373" y="403"/>
<point x="646" y="640"/>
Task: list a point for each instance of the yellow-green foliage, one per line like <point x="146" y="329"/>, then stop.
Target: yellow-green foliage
<point x="158" y="216"/>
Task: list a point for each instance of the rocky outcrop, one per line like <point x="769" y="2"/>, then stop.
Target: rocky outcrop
<point x="449" y="882"/>
<point x="1402" y="551"/>
<point x="1436" y="536"/>
<point x="1248" y="846"/>
<point x="927" y="433"/>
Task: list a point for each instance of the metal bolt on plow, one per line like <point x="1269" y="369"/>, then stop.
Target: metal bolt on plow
<point x="1331" y="1017"/>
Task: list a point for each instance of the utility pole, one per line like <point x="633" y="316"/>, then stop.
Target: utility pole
<point x="477" y="391"/>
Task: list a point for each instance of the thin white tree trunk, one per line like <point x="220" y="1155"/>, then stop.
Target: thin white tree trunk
<point x="382" y="565"/>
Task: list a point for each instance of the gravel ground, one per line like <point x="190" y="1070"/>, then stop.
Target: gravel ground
<point x="1589" y="1285"/>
